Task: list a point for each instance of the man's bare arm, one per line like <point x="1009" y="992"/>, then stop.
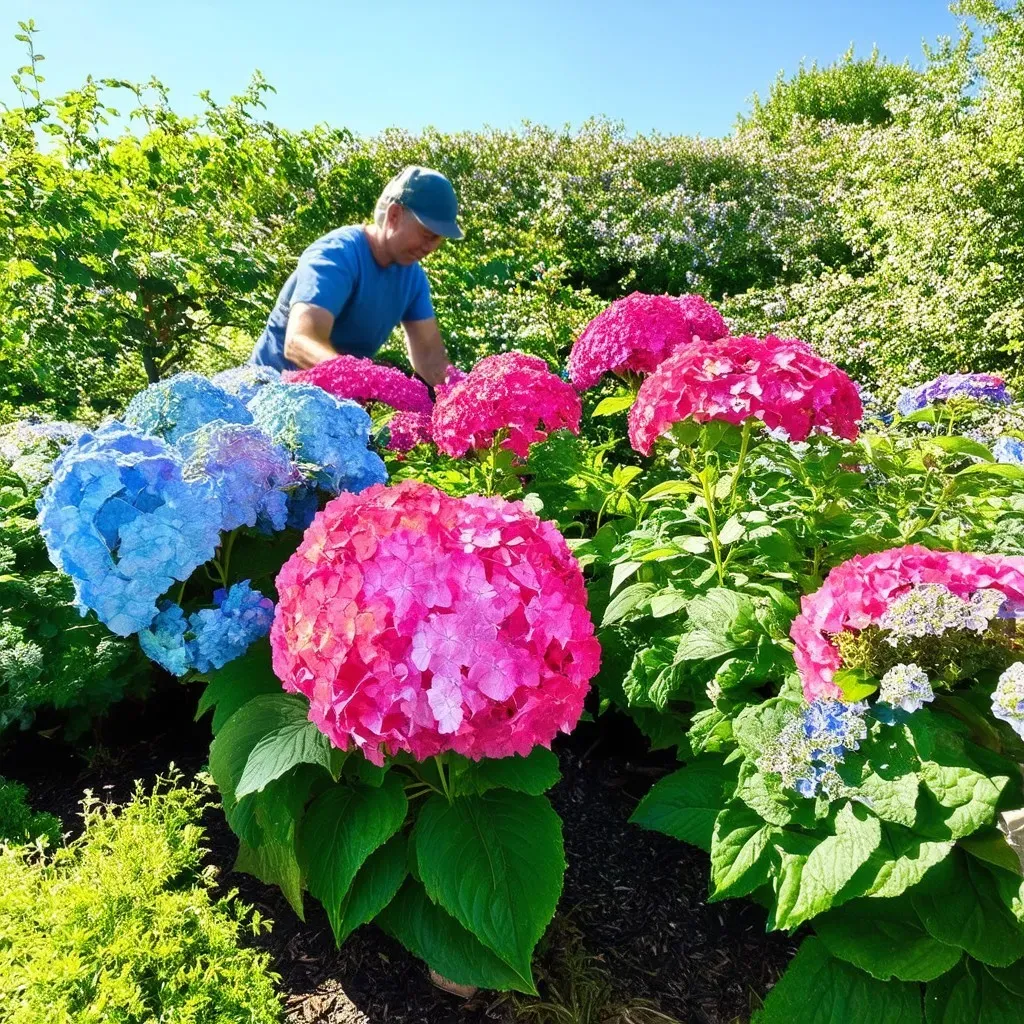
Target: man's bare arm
<point x="307" y="340"/>
<point x="427" y="353"/>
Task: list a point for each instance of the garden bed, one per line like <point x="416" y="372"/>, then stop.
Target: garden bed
<point x="634" y="900"/>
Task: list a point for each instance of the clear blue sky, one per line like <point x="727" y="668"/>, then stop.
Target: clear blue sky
<point x="686" y="67"/>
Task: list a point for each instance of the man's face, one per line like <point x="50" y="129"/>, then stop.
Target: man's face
<point x="408" y="240"/>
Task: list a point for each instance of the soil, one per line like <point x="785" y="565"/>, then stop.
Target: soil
<point x="634" y="900"/>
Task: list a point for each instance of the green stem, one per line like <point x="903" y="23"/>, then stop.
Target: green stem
<point x="709" y="501"/>
<point x="445" y="786"/>
<point x="226" y="553"/>
<point x="744" y="448"/>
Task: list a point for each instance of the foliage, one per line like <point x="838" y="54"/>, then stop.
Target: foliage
<point x="122" y="924"/>
<point x="19" y="824"/>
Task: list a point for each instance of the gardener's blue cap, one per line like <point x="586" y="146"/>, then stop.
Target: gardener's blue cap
<point x="429" y="196"/>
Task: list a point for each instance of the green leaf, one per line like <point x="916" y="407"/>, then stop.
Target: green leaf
<point x="765" y="795"/>
<point x="668" y="489"/>
<point x="621" y="572"/>
<point x="960" y="904"/>
<point x="437" y="938"/>
<point x="990" y="845"/>
<point x="274" y="864"/>
<point x="627" y="601"/>
<point x="855" y="683"/>
<point x="819" y="989"/>
<point x="887" y="781"/>
<point x="534" y="774"/>
<point x="374" y="886"/>
<point x="901" y="861"/>
<point x="686" y="803"/>
<point x="295" y="740"/>
<point x="974" y="992"/>
<point x="667" y="602"/>
<point x="235" y="684"/>
<point x="342" y="827"/>
<point x="613" y="404"/>
<point x="495" y="862"/>
<point x="1009" y="472"/>
<point x="958" y="445"/>
<point x="652" y="679"/>
<point x="739" y="863"/>
<point x="885" y="938"/>
<point x="757" y="727"/>
<point x="807" y="887"/>
<point x="967" y="799"/>
<point x="703" y="645"/>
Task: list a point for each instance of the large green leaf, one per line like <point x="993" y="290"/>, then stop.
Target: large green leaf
<point x="436" y="937"/>
<point x="901" y="860"/>
<point x="976" y="993"/>
<point x="534" y="774"/>
<point x="960" y="904"/>
<point x="820" y="989"/>
<point x="627" y="601"/>
<point x="686" y="803"/>
<point x="374" y="886"/>
<point x="739" y="861"/>
<point x="228" y="688"/>
<point x="495" y="862"/>
<point x="885" y="938"/>
<point x="341" y="828"/>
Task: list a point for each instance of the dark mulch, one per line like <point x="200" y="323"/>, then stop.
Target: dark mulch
<point x="637" y="898"/>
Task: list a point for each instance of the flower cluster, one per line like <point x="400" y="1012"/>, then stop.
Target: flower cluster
<point x="931" y="609"/>
<point x="906" y="687"/>
<point x="981" y="386"/>
<point x="1009" y="450"/>
<point x="174" y="407"/>
<point x="635" y="334"/>
<point x="122" y="521"/>
<point x="363" y="380"/>
<point x="414" y="621"/>
<point x="249" y="472"/>
<point x="327" y="436"/>
<point x="1008" y="699"/>
<point x="244" y="381"/>
<point x="781" y="382"/>
<point x="810" y="745"/>
<point x="211" y="637"/>
<point x="858" y="593"/>
<point x="407" y="430"/>
<point x="511" y="393"/>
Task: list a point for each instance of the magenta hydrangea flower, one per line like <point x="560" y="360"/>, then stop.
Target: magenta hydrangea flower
<point x="414" y="621"/>
<point x="638" y="332"/>
<point x="407" y="430"/>
<point x="509" y="391"/>
<point x="364" y="381"/>
<point x="781" y="382"/>
<point x="860" y="592"/>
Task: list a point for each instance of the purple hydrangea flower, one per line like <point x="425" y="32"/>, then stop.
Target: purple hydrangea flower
<point x="906" y="687"/>
<point x="176" y="406"/>
<point x="249" y="473"/>
<point x="1009" y="450"/>
<point x="326" y="436"/>
<point x="119" y="518"/>
<point x="982" y="386"/>
<point x="244" y="381"/>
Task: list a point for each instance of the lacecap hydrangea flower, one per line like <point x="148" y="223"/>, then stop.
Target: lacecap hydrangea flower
<point x="1009" y="450"/>
<point x="984" y="387"/>
<point x="931" y="609"/>
<point x="363" y="380"/>
<point x="120" y="519"/>
<point x="781" y="382"/>
<point x="1008" y="699"/>
<point x="244" y="381"/>
<point x="509" y="392"/>
<point x="860" y="592"/>
<point x="407" y="430"/>
<point x="174" y="407"/>
<point x="325" y="436"/>
<point x="211" y="637"/>
<point x="415" y="621"/>
<point x="906" y="687"/>
<point x="635" y="334"/>
<point x="249" y="473"/>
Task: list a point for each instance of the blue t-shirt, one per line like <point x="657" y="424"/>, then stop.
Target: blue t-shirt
<point x="338" y="273"/>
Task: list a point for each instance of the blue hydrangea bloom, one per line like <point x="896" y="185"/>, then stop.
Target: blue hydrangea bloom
<point x="221" y="634"/>
<point x="1009" y="450"/>
<point x="119" y="518"/>
<point x="326" y="436"/>
<point x="1008" y="699"/>
<point x="249" y="473"/>
<point x="244" y="381"/>
<point x="906" y="687"/>
<point x="164" y="640"/>
<point x="303" y="504"/>
<point x="176" y="406"/>
<point x="981" y="386"/>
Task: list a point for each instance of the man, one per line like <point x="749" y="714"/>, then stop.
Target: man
<point x="356" y="283"/>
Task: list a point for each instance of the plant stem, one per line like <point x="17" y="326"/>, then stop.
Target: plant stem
<point x="709" y="501"/>
<point x="445" y="787"/>
<point x="744" y="448"/>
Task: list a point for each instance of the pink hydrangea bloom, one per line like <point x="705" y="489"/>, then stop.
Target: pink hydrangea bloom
<point x="408" y="429"/>
<point x="364" y="381"/>
<point x="414" y="621"/>
<point x="779" y="381"/>
<point x="857" y="594"/>
<point x="638" y="332"/>
<point x="509" y="391"/>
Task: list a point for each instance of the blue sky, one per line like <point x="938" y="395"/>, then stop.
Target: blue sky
<point x="686" y="66"/>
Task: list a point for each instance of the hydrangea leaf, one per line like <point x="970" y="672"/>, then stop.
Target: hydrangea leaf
<point x="534" y="774"/>
<point x="901" y="860"/>
<point x="495" y="862"/>
<point x="975" y="992"/>
<point x="374" y="886"/>
<point x="819" y="989"/>
<point x="739" y="857"/>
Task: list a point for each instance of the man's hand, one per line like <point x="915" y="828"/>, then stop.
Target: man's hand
<point x="307" y="341"/>
<point x="427" y="353"/>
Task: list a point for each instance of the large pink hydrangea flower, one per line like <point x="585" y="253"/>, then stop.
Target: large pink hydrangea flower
<point x="364" y="381"/>
<point x="408" y="429"/>
<point x="638" y="332"/>
<point x="414" y="621"/>
<point x="509" y="391"/>
<point x="857" y="593"/>
<point x="782" y="382"/>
